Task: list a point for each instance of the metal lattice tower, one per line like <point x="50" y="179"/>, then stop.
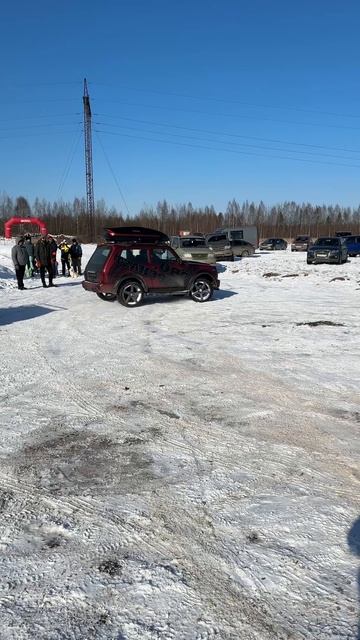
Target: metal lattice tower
<point x="88" y="162"/>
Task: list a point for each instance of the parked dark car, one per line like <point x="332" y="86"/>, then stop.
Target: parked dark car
<point x="327" y="249"/>
<point x="273" y="244"/>
<point x="353" y="245"/>
<point x="135" y="261"/>
<point x="301" y="243"/>
<point x="219" y="243"/>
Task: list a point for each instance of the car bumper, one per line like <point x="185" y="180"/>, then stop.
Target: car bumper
<point x="325" y="259"/>
<point x="96" y="287"/>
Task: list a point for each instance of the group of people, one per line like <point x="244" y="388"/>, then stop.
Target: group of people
<point x="41" y="258"/>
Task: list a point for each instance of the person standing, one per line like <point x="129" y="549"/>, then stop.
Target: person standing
<point x="20" y="259"/>
<point x="43" y="260"/>
<point x="30" y="251"/>
<point x="76" y="254"/>
<point x="53" y="250"/>
<point x="65" y="257"/>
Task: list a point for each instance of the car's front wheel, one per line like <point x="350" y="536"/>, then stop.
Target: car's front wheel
<point x="201" y="290"/>
<point x="106" y="296"/>
<point x="130" y="294"/>
<point x="308" y="261"/>
<point x="245" y="254"/>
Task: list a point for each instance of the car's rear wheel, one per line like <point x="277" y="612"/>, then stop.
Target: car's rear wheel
<point x="245" y="254"/>
<point x="130" y="294"/>
<point x="106" y="296"/>
<point x="201" y="290"/>
<point x="308" y="261"/>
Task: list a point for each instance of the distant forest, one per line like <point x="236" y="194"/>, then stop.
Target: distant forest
<point x="286" y="219"/>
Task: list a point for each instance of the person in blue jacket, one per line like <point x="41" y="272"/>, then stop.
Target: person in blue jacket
<point x="76" y="254"/>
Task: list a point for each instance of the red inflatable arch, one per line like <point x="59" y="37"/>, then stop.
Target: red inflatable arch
<point x="10" y="223"/>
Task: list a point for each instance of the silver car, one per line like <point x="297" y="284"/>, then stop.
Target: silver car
<point x="192" y="248"/>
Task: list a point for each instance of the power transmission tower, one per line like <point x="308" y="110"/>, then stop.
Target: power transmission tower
<point x="88" y="162"/>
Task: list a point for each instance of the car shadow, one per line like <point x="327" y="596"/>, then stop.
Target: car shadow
<point x="221" y="294"/>
<point x="18" y="314"/>
<point x="71" y="283"/>
<point x="354" y="546"/>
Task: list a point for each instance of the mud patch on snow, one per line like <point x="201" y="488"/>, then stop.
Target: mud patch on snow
<point x="318" y="323"/>
<point x="271" y="274"/>
<point x="111" y="567"/>
<point x="83" y="463"/>
<point x="291" y="275"/>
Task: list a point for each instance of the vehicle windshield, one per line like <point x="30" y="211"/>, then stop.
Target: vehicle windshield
<point x="327" y="242"/>
<point x="192" y="242"/>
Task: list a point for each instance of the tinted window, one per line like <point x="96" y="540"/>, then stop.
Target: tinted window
<point x="133" y="256"/>
<point x="236" y="235"/>
<point x="218" y="238"/>
<point x="98" y="258"/>
<point x="163" y="255"/>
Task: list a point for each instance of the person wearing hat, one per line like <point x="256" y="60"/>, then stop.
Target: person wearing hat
<point x="43" y="259"/>
<point x="65" y="257"/>
<point x="76" y="253"/>
<point x="20" y="259"/>
<point x="30" y="250"/>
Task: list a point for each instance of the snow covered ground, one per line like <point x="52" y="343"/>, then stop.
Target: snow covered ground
<point x="182" y="471"/>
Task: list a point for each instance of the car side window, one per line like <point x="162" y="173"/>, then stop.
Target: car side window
<point x="133" y="256"/>
<point x="163" y="255"/>
<point x="126" y="256"/>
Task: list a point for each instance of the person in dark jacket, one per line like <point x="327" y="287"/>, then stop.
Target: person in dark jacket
<point x="65" y="257"/>
<point x="20" y="259"/>
<point x="76" y="253"/>
<point x="53" y="250"/>
<point x="30" y="251"/>
<point x="43" y="260"/>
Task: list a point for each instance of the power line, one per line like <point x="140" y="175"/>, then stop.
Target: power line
<point x="232" y="115"/>
<point x="233" y="135"/>
<point x="112" y="172"/>
<point x="247" y="153"/>
<point x="39" y="133"/>
<point x="239" y="144"/>
<point x="39" y="126"/>
<point x="232" y="101"/>
<point x="69" y="162"/>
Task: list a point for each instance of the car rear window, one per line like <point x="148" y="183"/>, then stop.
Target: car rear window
<point x="193" y="242"/>
<point x="98" y="258"/>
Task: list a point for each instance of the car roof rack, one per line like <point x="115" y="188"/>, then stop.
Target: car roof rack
<point x="134" y="234"/>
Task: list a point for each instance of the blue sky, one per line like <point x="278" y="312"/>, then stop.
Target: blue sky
<point x="200" y="101"/>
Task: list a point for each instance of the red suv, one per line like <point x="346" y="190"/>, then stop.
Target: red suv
<point x="134" y="261"/>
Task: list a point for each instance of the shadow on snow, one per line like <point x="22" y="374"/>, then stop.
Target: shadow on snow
<point x="18" y="314"/>
<point x="354" y="546"/>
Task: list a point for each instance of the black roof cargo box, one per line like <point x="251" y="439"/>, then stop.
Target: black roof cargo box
<point x="134" y="234"/>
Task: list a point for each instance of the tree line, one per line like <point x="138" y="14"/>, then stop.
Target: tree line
<point x="286" y="219"/>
